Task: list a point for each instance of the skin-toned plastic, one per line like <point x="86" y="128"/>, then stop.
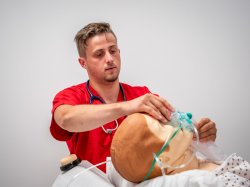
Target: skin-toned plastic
<point x="139" y="137"/>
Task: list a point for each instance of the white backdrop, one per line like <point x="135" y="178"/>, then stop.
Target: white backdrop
<point x="193" y="53"/>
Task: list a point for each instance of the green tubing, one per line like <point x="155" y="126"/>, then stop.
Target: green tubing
<point x="162" y="149"/>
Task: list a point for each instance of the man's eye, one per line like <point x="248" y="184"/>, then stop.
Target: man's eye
<point x="113" y="51"/>
<point x="100" y="54"/>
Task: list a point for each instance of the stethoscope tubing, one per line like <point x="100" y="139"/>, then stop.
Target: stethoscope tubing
<point x="93" y="97"/>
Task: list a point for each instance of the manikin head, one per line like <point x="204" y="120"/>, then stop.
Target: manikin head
<point x="138" y="137"/>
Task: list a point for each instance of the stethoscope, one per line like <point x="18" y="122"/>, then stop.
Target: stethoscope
<point x="94" y="97"/>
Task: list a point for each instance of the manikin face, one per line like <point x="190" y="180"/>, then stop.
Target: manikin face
<point x="102" y="60"/>
<point x="138" y="137"/>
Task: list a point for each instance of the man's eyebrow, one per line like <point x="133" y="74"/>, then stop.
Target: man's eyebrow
<point x="101" y="49"/>
<point x="98" y="50"/>
<point x="113" y="46"/>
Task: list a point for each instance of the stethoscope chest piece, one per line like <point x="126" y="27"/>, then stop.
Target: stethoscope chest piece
<point x="109" y="131"/>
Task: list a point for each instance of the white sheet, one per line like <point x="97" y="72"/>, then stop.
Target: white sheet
<point x="192" y="178"/>
<point x="233" y="169"/>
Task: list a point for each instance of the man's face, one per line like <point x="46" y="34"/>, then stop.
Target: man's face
<point x="102" y="60"/>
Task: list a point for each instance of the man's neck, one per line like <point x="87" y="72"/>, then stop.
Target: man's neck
<point x="109" y="91"/>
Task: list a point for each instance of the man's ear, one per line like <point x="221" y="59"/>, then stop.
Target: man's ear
<point x="82" y="62"/>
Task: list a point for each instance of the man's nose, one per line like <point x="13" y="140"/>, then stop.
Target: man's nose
<point x="109" y="57"/>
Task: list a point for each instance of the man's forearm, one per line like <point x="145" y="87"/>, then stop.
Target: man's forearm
<point x="82" y="118"/>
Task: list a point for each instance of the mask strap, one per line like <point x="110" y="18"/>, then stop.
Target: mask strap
<point x="162" y="149"/>
<point x="184" y="121"/>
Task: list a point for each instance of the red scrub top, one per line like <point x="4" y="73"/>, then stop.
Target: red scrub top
<point x="93" y="145"/>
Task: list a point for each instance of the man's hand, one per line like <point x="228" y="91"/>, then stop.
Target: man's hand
<point x="206" y="129"/>
<point x="153" y="105"/>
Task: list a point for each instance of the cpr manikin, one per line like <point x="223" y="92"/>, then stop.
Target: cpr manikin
<point x="142" y="149"/>
<point x="138" y="140"/>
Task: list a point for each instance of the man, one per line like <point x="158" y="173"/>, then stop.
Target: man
<point x="80" y="116"/>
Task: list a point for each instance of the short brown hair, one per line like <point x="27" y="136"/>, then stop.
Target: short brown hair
<point x="89" y="31"/>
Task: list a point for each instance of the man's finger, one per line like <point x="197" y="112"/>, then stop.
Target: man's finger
<point x="206" y="126"/>
<point x="153" y="111"/>
<point x="202" y="122"/>
<point x="167" y="104"/>
<point x="211" y="137"/>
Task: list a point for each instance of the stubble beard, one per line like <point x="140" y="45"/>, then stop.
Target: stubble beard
<point x="113" y="77"/>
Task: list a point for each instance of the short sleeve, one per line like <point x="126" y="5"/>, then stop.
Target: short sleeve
<point x="132" y="92"/>
<point x="69" y="96"/>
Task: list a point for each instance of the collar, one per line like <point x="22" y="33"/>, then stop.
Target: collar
<point x="95" y="93"/>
